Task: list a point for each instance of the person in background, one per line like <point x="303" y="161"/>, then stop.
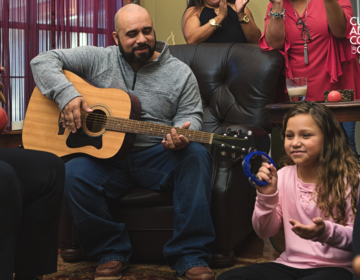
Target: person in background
<point x="31" y="189"/>
<point x="314" y="37"/>
<point x="313" y="197"/>
<point x="219" y="21"/>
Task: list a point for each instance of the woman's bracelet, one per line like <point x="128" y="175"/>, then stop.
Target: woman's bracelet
<point x="277" y="15"/>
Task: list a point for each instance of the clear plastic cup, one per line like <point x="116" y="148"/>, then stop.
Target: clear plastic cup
<point x="296" y="88"/>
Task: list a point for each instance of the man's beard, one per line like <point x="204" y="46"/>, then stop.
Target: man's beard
<point x="142" y="58"/>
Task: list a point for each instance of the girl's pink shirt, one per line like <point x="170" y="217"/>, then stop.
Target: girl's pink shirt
<point x="294" y="199"/>
<point x="333" y="62"/>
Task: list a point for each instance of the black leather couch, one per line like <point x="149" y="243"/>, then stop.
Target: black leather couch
<point x="236" y="82"/>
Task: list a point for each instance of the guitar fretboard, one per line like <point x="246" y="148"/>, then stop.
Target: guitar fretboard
<point x="139" y="127"/>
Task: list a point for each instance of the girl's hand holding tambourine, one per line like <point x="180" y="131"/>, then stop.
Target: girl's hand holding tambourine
<point x="268" y="173"/>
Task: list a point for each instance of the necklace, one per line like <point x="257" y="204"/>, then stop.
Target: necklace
<point x="304" y="32"/>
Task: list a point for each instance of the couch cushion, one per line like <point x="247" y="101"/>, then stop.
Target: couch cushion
<point x="236" y="81"/>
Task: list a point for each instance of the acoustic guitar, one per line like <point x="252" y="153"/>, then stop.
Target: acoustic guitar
<point x="110" y="130"/>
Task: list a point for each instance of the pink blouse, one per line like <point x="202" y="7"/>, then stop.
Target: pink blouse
<point x="295" y="199"/>
<point x="332" y="65"/>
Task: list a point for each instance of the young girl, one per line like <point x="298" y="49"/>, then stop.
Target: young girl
<point x="314" y="198"/>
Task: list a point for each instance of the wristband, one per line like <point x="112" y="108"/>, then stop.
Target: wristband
<point x="253" y="179"/>
<point x="277" y="15"/>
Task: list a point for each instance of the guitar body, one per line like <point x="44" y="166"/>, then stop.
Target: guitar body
<point x="43" y="130"/>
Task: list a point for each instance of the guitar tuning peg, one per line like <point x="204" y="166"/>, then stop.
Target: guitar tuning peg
<point x="246" y="138"/>
<point x="243" y="150"/>
<point x="233" y="147"/>
<point x="249" y="132"/>
<point x="222" y="145"/>
<point x="223" y="153"/>
<point x="235" y="136"/>
<point x="225" y="134"/>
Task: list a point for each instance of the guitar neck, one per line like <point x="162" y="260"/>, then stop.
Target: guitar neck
<point x="138" y="127"/>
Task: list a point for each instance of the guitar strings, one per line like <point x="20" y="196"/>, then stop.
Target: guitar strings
<point x="105" y="121"/>
<point x="101" y="121"/>
<point x="113" y="122"/>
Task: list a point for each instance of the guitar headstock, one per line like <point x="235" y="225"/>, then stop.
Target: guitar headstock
<point x="236" y="142"/>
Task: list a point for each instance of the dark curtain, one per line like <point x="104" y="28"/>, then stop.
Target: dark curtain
<point x="29" y="27"/>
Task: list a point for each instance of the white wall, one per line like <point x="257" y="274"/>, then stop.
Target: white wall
<point x="258" y="10"/>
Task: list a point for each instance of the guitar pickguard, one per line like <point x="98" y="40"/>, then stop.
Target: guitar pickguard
<point x="81" y="139"/>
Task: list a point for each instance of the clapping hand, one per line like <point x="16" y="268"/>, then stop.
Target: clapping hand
<point x="240" y="5"/>
<point x="309" y="231"/>
<point x="223" y="10"/>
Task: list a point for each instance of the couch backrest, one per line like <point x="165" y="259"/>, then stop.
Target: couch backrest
<point x="236" y="81"/>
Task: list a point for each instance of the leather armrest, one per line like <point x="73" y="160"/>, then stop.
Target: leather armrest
<point x="233" y="198"/>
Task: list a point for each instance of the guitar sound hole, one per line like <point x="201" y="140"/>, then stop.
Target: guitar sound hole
<point x="96" y="121"/>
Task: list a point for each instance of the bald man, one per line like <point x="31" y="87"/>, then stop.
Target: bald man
<point x="169" y="95"/>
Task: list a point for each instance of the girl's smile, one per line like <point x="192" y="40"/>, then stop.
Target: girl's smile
<point x="296" y="153"/>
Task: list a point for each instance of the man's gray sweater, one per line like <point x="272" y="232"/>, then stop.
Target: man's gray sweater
<point x="166" y="87"/>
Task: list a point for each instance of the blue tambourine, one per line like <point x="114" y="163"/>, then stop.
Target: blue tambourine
<point x="253" y="179"/>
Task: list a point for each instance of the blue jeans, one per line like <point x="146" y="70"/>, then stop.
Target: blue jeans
<point x="350" y="131"/>
<point x="186" y="173"/>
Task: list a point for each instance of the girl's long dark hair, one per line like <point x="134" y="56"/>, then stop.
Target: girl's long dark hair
<point x="338" y="166"/>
